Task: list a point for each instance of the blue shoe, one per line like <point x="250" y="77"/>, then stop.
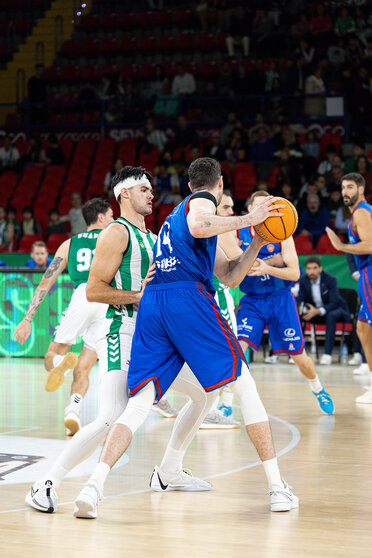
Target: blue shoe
<point x="225" y="410"/>
<point x="325" y="402"/>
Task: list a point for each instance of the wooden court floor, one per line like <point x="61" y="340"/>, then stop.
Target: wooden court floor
<point x="327" y="460"/>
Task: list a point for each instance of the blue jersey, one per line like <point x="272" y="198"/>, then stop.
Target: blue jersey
<point x="264" y="284"/>
<point x="362" y="260"/>
<point x="178" y="256"/>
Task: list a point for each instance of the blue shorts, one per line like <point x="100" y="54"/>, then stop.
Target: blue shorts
<point x="177" y="323"/>
<point x="365" y="292"/>
<point x="278" y="311"/>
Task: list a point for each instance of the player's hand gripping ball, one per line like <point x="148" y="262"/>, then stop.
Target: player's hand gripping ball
<point x="277" y="229"/>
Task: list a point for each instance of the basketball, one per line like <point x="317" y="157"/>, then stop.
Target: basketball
<point x="277" y="229"/>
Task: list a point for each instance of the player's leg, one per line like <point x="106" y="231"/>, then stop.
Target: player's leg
<point x="170" y="475"/>
<point x="258" y="429"/>
<point x="58" y="361"/>
<point x="112" y="402"/>
<point x="286" y="336"/>
<point x="364" y="331"/>
<point x="79" y="387"/>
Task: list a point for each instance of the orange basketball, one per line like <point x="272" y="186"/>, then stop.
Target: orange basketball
<point x="277" y="229"/>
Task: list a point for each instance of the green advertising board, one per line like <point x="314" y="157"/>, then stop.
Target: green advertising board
<point x="16" y="290"/>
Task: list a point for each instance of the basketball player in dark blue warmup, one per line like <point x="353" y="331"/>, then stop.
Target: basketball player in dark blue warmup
<point x="360" y="238"/>
<point x="178" y="321"/>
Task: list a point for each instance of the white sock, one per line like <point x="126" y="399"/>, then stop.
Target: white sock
<point x="56" y="475"/>
<point x="58" y="359"/>
<point x="76" y="399"/>
<point x="172" y="460"/>
<point x="99" y="475"/>
<point x="315" y="384"/>
<point x="272" y="472"/>
<point x="227" y="397"/>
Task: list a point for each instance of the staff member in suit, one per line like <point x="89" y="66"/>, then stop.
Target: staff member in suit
<point x="322" y="302"/>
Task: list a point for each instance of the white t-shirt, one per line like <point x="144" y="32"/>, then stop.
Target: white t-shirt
<point x="183" y="85"/>
<point x="8" y="158"/>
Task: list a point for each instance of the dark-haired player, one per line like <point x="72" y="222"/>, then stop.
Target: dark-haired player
<point x="179" y="321"/>
<point x="360" y="245"/>
<point x="268" y="301"/>
<point x="81" y="318"/>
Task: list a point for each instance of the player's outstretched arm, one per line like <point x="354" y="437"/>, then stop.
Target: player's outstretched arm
<point x="111" y="245"/>
<point x="204" y="223"/>
<point x="57" y="265"/>
<point x="363" y="224"/>
<point x="290" y="259"/>
<point x="232" y="271"/>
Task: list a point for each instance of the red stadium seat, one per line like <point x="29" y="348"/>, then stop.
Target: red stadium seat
<point x="27" y="241"/>
<point x="186" y="42"/>
<point x="324" y="245"/>
<point x="225" y="168"/>
<point x="126" y="19"/>
<point x="303" y="244"/>
<point x="208" y="68"/>
<point x="91" y="73"/>
<point x="108" y="21"/>
<point x="164" y="210"/>
<point x="147" y="44"/>
<point x="70" y="47"/>
<point x="205" y="41"/>
<point x="244" y="180"/>
<point x="148" y="158"/>
<point x="329" y="138"/>
<point x="109" y="45"/>
<point x="166" y="43"/>
<point x="128" y="44"/>
<point x="90" y="46"/>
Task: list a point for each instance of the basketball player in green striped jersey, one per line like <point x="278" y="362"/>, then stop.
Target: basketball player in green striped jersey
<point x="80" y="318"/>
<point x="220" y="416"/>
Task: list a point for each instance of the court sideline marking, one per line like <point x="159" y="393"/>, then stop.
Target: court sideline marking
<point x="296" y="437"/>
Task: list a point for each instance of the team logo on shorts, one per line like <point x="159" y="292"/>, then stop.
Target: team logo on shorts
<point x="291" y="347"/>
<point x="270" y="247"/>
<point x="289" y="332"/>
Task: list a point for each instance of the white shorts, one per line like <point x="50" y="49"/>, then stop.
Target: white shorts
<point x="114" y="344"/>
<point x="81" y="318"/>
<point x="226" y="303"/>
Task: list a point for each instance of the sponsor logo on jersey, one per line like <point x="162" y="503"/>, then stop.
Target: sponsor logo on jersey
<point x="244" y="325"/>
<point x="167" y="264"/>
<point x="289" y="332"/>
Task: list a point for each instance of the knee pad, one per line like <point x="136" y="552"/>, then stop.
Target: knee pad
<point x="138" y="408"/>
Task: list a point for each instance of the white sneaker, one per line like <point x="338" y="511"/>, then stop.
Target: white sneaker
<point x="217" y="420"/>
<point x="42" y="497"/>
<point x="291" y="361"/>
<point x="326" y="359"/>
<point x="273" y="359"/>
<point x="365" y="398"/>
<point x="355" y="359"/>
<point x="181" y="480"/>
<point x="72" y="420"/>
<point x="362" y="369"/>
<point x="165" y="409"/>
<point x="87" y="501"/>
<point x="282" y="498"/>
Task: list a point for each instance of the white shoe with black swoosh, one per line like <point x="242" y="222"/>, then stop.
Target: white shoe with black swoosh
<point x="42" y="497"/>
<point x="282" y="498"/>
<point x="181" y="480"/>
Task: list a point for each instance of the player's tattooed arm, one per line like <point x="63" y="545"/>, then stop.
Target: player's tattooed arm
<point x="56" y="267"/>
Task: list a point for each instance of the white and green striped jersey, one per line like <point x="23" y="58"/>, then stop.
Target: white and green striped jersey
<point x="133" y="268"/>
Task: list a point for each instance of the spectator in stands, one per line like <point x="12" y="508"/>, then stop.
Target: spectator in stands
<point x="314" y="85"/>
<point x="35" y="154"/>
<point x="238" y="29"/>
<point x="314" y="219"/>
<point x="257" y="78"/>
<point x="354" y="51"/>
<point x="342" y="219"/>
<point x="262" y="28"/>
<point x="241" y="81"/>
<point x="363" y="167"/>
<point x="336" y="55"/>
<point x="154" y="136"/>
<point x="301" y="27"/>
<point x="263" y="148"/>
<point x="54" y="153"/>
<point x="305" y="52"/>
<point x="39" y="256"/>
<point x="167" y="106"/>
<point x="345" y="24"/>
<point x="327" y="163"/>
<point x="28" y="225"/>
<point x="311" y="145"/>
<point x="185" y="134"/>
<point x="37" y="94"/>
<point x="75" y="215"/>
<point x="320" y="24"/>
<point x="9" y="155"/>
<point x="320" y="301"/>
<point x="104" y="87"/>
<point x="333" y="178"/>
<point x="228" y="128"/>
<point x="215" y="149"/>
<point x="358" y="149"/>
<point x="6" y="231"/>
<point x="12" y="219"/>
<point x="334" y="201"/>
<point x="107" y="189"/>
<point x="167" y="160"/>
<point x="288" y="147"/>
<point x="180" y="180"/>
<point x="270" y="75"/>
<point x="55" y="225"/>
<point x="286" y="191"/>
<point x="183" y="83"/>
<point x="166" y="190"/>
<point x="158" y="81"/>
<point x="224" y="83"/>
<point x="237" y="149"/>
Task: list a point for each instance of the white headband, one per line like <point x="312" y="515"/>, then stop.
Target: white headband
<point x="130" y="182"/>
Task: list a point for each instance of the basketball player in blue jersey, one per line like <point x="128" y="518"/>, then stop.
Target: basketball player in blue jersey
<point x="360" y="245"/>
<point x="179" y="321"/>
<point x="268" y="301"/>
